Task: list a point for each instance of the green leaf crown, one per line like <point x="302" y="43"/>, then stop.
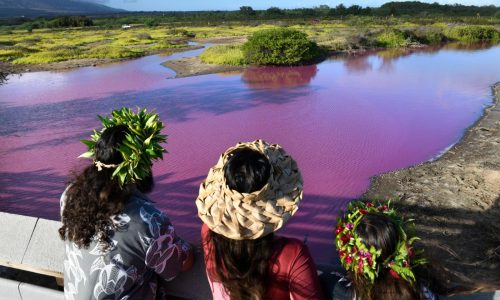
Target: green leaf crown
<point x="139" y="148"/>
<point x="357" y="257"/>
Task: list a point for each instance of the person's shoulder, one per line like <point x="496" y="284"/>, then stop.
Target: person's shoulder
<point x="290" y="243"/>
<point x="140" y="202"/>
<point x="142" y="211"/>
<point x="291" y="247"/>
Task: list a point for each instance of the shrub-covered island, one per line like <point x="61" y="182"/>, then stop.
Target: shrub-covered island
<point x="276" y="46"/>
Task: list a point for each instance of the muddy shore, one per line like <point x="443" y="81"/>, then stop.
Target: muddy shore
<point x="455" y="201"/>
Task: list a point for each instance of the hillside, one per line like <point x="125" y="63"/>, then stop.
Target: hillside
<point x="33" y="8"/>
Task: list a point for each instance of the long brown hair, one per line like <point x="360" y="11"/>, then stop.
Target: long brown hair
<point x="243" y="266"/>
<point x="381" y="232"/>
<point x="93" y="196"/>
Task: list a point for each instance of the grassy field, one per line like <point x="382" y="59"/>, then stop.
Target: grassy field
<point x="43" y="46"/>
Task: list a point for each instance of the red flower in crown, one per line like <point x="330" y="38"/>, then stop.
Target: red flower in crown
<point x="394" y="274"/>
<point x="348" y="259"/>
<point x="360" y="266"/>
<point x="338" y="230"/>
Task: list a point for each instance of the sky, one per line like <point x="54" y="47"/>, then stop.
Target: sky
<point x="172" y="5"/>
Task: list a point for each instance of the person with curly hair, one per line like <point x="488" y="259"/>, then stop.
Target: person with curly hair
<point x="118" y="244"/>
<point x="252" y="191"/>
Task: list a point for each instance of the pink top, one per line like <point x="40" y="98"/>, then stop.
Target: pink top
<point x="293" y="274"/>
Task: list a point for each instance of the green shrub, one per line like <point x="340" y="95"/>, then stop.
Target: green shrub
<point x="12" y="53"/>
<point x="166" y="45"/>
<point x="49" y="56"/>
<point x="473" y="33"/>
<point x="429" y="36"/>
<point x="224" y="55"/>
<point x="393" y="38"/>
<point x="280" y="46"/>
<point x="107" y="51"/>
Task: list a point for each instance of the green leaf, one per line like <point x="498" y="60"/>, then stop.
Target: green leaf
<point x="89" y="144"/>
<point x="87" y="154"/>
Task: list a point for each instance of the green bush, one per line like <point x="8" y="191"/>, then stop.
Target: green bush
<point x="473" y="33"/>
<point x="224" y="55"/>
<point x="393" y="38"/>
<point x="280" y="46"/>
<point x="429" y="36"/>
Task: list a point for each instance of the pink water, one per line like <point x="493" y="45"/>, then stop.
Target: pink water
<point x="343" y="120"/>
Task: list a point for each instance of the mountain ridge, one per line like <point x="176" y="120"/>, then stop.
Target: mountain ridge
<point x="33" y="8"/>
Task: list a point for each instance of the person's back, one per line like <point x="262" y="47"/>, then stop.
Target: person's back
<point x="118" y="245"/>
<point x="253" y="190"/>
<point x="144" y="249"/>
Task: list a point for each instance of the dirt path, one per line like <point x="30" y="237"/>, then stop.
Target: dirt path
<point x="455" y="202"/>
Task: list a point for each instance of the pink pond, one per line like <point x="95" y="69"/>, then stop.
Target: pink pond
<point x="344" y="121"/>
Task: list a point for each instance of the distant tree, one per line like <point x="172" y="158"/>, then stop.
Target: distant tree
<point x="71" y="21"/>
<point x="354" y="10"/>
<point x="340" y="10"/>
<point x="247" y="11"/>
<point x="274" y="12"/>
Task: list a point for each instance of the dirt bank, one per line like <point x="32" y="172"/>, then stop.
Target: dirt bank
<point x="193" y="66"/>
<point x="455" y="201"/>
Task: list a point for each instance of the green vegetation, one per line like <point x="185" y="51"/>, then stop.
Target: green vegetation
<point x="280" y="46"/>
<point x="43" y="46"/>
<point x="224" y="55"/>
<point x="473" y="33"/>
<point x="393" y="38"/>
<point x="341" y="28"/>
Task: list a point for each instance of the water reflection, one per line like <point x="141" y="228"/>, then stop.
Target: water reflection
<point x="361" y="63"/>
<point x="3" y="77"/>
<point x="278" y="77"/>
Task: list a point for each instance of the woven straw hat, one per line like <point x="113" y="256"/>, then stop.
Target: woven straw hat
<point x="242" y="216"/>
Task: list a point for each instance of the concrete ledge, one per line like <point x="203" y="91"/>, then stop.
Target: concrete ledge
<point x="33" y="245"/>
<point x="45" y="251"/>
<point x="9" y="289"/>
<point x="30" y="291"/>
<point x="17" y="230"/>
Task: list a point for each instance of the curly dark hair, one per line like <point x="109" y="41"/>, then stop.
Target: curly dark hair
<point x="93" y="196"/>
<point x="243" y="266"/>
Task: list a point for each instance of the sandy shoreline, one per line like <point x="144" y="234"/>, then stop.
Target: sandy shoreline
<point x="455" y="201"/>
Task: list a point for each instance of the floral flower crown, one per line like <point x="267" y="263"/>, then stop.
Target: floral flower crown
<point x="140" y="146"/>
<point x="360" y="258"/>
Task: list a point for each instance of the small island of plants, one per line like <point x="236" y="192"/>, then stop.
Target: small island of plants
<point x="276" y="46"/>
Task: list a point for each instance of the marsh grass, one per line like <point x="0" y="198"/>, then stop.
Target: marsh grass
<point x="224" y="55"/>
<point x="20" y="46"/>
<point x="48" y="46"/>
<point x="471" y="33"/>
<point x="393" y="38"/>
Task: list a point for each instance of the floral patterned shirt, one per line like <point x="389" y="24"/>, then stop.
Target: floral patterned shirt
<point x="144" y="250"/>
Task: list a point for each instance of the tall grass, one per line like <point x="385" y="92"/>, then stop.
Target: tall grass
<point x="224" y="55"/>
<point x="472" y="33"/>
<point x="50" y="45"/>
<point x="393" y="38"/>
<point x="49" y="56"/>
